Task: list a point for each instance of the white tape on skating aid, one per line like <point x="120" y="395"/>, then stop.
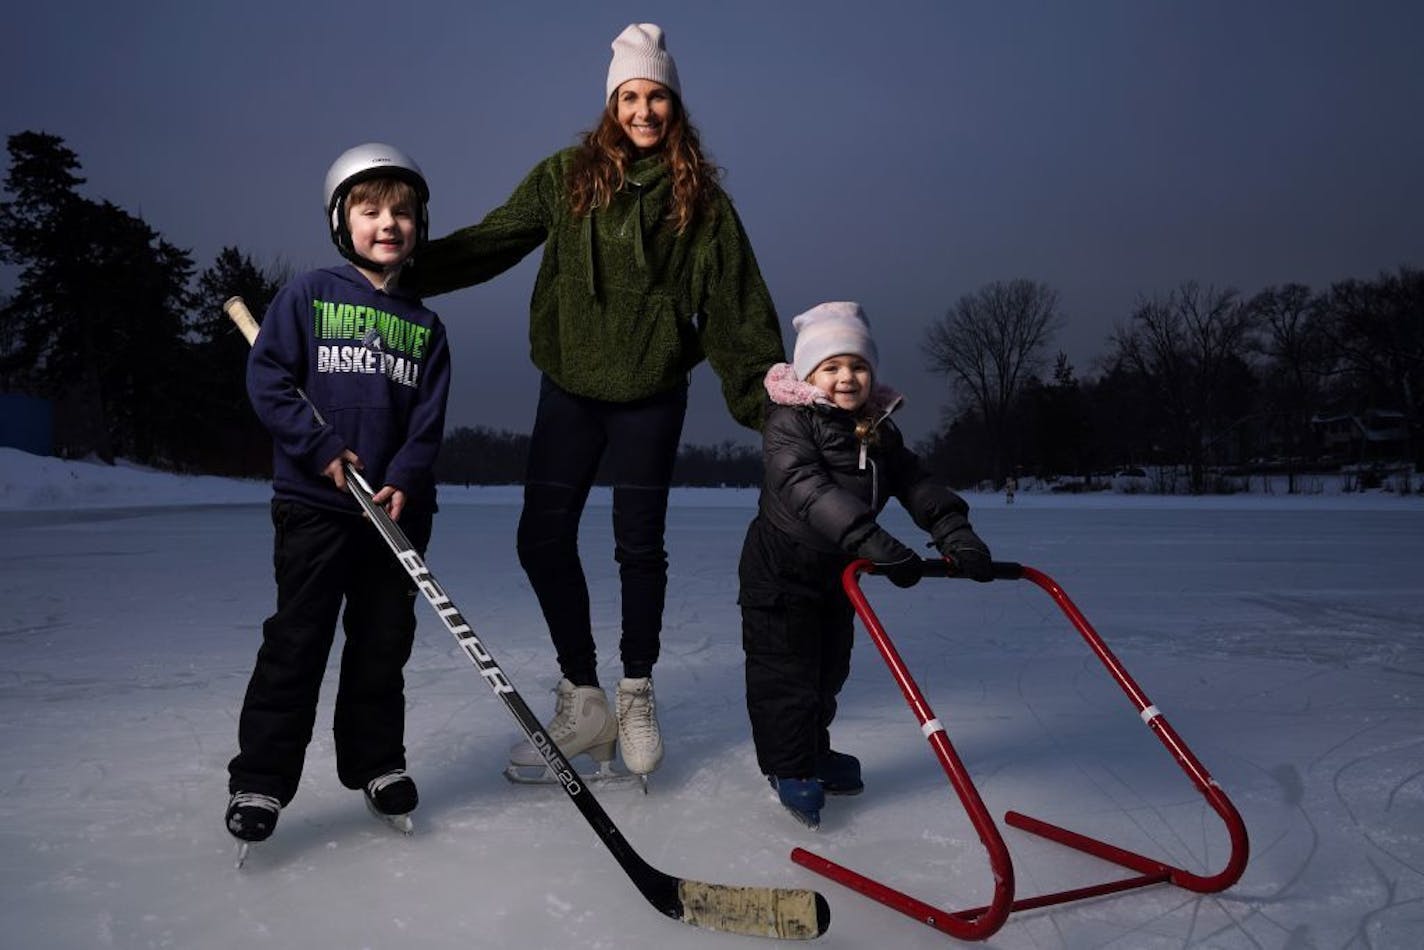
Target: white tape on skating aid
<point x="930" y="727"/>
<point x="1149" y="714"/>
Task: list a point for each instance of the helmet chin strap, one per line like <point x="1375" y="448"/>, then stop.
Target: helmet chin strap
<point x="350" y="254"/>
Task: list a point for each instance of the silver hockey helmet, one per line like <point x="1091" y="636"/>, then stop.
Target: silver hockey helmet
<point x="362" y="163"/>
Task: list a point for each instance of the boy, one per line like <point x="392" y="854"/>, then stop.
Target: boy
<point x="375" y="363"/>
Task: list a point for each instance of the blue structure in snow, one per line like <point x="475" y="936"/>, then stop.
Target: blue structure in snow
<point x="27" y="423"/>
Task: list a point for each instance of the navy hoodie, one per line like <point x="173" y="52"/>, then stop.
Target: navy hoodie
<point x="377" y="366"/>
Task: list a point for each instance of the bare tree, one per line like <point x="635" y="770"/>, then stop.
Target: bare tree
<point x="1189" y="349"/>
<point x="1296" y="364"/>
<point x="1376" y="330"/>
<point x="989" y="345"/>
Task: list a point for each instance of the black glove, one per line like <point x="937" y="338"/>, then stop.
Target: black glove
<point x="890" y="556"/>
<point x="905" y="572"/>
<point x="969" y="555"/>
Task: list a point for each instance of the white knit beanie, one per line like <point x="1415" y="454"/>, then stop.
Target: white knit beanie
<point x="639" y="53"/>
<point x="832" y="329"/>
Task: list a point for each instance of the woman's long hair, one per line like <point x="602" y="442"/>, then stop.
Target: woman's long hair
<point x="601" y="164"/>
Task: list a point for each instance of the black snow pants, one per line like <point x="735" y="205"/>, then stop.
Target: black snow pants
<point x="322" y="558"/>
<point x="797" y="632"/>
<point x="636" y="443"/>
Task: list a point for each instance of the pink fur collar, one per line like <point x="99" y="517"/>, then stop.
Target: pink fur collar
<point x="786" y="390"/>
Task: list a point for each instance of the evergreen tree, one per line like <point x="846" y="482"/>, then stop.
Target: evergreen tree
<point x="1056" y="423"/>
<point x="225" y="434"/>
<point x="97" y="319"/>
<point x="41" y="183"/>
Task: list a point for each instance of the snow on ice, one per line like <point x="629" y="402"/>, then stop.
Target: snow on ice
<point x="1282" y="636"/>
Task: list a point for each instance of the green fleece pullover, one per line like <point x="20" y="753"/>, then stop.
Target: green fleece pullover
<point x="624" y="307"/>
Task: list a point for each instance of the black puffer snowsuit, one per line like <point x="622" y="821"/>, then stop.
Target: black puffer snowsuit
<point x="820" y="495"/>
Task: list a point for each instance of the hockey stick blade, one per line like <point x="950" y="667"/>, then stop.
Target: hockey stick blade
<point x="782" y="913"/>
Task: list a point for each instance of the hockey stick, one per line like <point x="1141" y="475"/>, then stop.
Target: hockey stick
<point x="784" y="913"/>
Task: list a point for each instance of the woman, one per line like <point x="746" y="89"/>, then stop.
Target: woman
<point x="646" y="271"/>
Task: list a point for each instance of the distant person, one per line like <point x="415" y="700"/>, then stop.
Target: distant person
<point x="1011" y="485"/>
<point x="833" y="459"/>
<point x="646" y="271"/>
<point x="374" y="362"/>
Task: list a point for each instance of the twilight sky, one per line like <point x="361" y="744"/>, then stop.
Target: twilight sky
<point x="898" y="153"/>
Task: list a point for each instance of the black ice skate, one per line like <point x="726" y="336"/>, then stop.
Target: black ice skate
<point x="251" y="817"/>
<point x="392" y="797"/>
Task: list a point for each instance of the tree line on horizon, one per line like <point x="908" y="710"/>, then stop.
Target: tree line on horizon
<point x="121" y="331"/>
<point x="1201" y="379"/>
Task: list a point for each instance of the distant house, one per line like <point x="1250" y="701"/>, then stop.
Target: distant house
<point x="1369" y="436"/>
